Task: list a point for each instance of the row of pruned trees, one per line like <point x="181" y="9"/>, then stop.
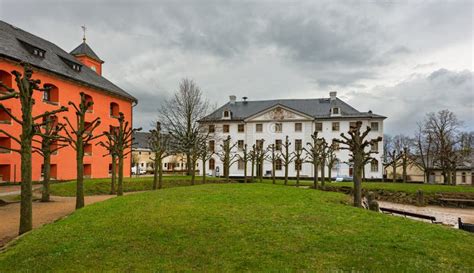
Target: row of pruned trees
<point x="44" y="134"/>
<point x="438" y="143"/>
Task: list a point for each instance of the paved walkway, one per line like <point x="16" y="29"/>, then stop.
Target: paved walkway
<point x="43" y="213"/>
<point x="449" y="216"/>
<point x="14" y="189"/>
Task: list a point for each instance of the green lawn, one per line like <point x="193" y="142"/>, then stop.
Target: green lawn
<point x="238" y="227"/>
<point x="407" y="187"/>
<point x="101" y="186"/>
<point x="395" y="187"/>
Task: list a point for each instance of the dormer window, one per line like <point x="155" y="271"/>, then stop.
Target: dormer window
<point x="33" y="49"/>
<point x="226" y="113"/>
<point x="335" y="110"/>
<point x="75" y="66"/>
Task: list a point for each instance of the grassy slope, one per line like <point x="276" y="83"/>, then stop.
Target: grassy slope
<point x="102" y="185"/>
<point x="407" y="187"/>
<point x="238" y="227"/>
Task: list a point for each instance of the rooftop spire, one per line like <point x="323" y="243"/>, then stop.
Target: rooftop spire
<point x="84" y="33"/>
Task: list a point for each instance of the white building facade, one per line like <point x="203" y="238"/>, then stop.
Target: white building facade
<point x="247" y="122"/>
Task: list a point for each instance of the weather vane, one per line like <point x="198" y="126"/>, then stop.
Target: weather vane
<point x="84" y="31"/>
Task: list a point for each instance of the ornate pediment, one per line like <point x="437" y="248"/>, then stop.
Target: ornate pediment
<point x="279" y="113"/>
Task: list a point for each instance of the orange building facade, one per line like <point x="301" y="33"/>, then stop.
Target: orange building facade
<point x="61" y="71"/>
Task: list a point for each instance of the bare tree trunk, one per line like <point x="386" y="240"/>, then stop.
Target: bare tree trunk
<point x="357" y="183"/>
<point x="160" y="173"/>
<point x="329" y="173"/>
<point x="188" y="163"/>
<point x="120" y="176"/>
<point x="114" y="175"/>
<point x="286" y="174"/>
<point x="204" y="170"/>
<point x="273" y="171"/>
<point x="80" y="175"/>
<point x="253" y="170"/>
<point x="394" y="170"/>
<point x="322" y="175"/>
<point x="46" y="177"/>
<point x="26" y="211"/>
<point x="245" y="171"/>
<point x="297" y="177"/>
<point x="155" y="173"/>
<point x="193" y="175"/>
<point x="315" y="178"/>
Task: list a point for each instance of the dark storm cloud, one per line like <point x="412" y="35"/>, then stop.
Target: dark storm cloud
<point x="259" y="48"/>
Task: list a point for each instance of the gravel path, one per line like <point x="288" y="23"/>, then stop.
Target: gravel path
<point x="449" y="216"/>
<point x="43" y="213"/>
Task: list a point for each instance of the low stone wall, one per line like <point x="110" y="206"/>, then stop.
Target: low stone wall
<point x="408" y="198"/>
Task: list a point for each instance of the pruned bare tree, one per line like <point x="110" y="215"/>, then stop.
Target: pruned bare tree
<point x="205" y="154"/>
<point x="313" y="152"/>
<point x="26" y="87"/>
<point x="246" y="157"/>
<point x="227" y="155"/>
<point x="299" y="157"/>
<point x="179" y="116"/>
<point x="286" y="156"/>
<point x="404" y="146"/>
<point x="332" y="159"/>
<point x="260" y="157"/>
<point x="159" y="145"/>
<point x="78" y="136"/>
<point x="110" y="144"/>
<point x="356" y="143"/>
<point x="272" y="158"/>
<point x="51" y="141"/>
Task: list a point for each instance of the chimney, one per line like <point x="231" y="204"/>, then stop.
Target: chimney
<point x="332" y="95"/>
<point x="232" y="99"/>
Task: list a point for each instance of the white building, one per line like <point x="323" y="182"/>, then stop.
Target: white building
<point x="272" y="120"/>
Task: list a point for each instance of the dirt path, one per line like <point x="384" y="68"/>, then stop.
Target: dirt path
<point x="448" y="216"/>
<point x="43" y="213"/>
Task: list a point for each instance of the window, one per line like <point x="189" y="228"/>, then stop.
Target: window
<point x="374" y="147"/>
<point x="259" y="143"/>
<point x="240" y="128"/>
<point x="5" y="143"/>
<point x="278" y="144"/>
<point x="374" y="166"/>
<point x="298" y="165"/>
<point x="6" y="79"/>
<point x="278" y="127"/>
<point x="240" y="144"/>
<point x="298" y="144"/>
<point x="226" y="128"/>
<point x="211" y="146"/>
<point x="4" y="117"/>
<point x="335" y="126"/>
<point x="33" y="49"/>
<point x="278" y="165"/>
<point x="319" y="126"/>
<point x="88" y="100"/>
<point x="298" y="127"/>
<point x="374" y="126"/>
<point x="212" y="128"/>
<point x="463" y="177"/>
<point x="88" y="150"/>
<point x="51" y="94"/>
<point x="259" y="127"/>
<point x="352" y="124"/>
<point x="335" y="111"/>
<point x="241" y="164"/>
<point x="226" y="113"/>
<point x="212" y="164"/>
<point x="335" y="145"/>
<point x="114" y="110"/>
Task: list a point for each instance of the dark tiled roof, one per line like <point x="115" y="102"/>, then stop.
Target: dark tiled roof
<point x="85" y="49"/>
<point x="316" y="108"/>
<point x="141" y="140"/>
<point x="12" y="46"/>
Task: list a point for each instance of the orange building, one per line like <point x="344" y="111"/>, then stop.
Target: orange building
<point x="67" y="74"/>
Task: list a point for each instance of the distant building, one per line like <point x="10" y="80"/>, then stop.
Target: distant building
<point x="144" y="157"/>
<point x="464" y="174"/>
<point x="67" y="74"/>
<point x="247" y="122"/>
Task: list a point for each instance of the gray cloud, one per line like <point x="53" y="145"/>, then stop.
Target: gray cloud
<point x="267" y="49"/>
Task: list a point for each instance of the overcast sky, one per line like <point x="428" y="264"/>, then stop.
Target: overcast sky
<point x="400" y="59"/>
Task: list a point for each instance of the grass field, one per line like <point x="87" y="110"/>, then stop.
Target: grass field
<point x="407" y="187"/>
<point x="102" y="185"/>
<point x="238" y="227"/>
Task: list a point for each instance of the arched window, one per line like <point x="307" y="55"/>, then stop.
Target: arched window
<point x="4" y="117"/>
<point x="227" y="114"/>
<point x="6" y="79"/>
<point x="374" y="165"/>
<point x="51" y="95"/>
<point x="114" y="110"/>
<point x="212" y="164"/>
<point x="463" y="177"/>
<point x="89" y="99"/>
